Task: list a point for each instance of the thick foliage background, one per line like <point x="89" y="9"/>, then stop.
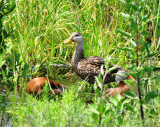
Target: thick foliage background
<point x="31" y="39"/>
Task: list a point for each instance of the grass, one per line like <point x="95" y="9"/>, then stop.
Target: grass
<point x="37" y="30"/>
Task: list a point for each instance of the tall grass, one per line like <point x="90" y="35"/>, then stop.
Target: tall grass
<point x="37" y="29"/>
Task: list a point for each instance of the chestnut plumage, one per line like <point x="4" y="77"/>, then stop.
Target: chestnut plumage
<point x="119" y="90"/>
<point x="35" y="86"/>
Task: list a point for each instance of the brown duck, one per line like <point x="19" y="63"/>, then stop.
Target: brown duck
<point x="35" y="86"/>
<point x="88" y="68"/>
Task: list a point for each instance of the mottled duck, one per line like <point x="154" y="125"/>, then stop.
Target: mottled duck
<point x="88" y="68"/>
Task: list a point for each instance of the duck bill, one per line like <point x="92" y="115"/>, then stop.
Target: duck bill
<point x="67" y="41"/>
<point x="133" y="79"/>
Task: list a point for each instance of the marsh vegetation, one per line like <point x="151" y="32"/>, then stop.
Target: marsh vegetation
<point x="125" y="32"/>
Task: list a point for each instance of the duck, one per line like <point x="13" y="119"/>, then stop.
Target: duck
<point x="35" y="86"/>
<point x="89" y="67"/>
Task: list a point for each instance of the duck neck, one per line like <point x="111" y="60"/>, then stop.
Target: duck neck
<point x="78" y="55"/>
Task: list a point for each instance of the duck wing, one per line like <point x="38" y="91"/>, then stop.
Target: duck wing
<point x="95" y="60"/>
<point x="91" y="64"/>
<point x="90" y="67"/>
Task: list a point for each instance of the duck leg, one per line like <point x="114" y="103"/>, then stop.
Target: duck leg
<point x="119" y="90"/>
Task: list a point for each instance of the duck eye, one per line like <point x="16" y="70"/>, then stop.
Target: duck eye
<point x="76" y="35"/>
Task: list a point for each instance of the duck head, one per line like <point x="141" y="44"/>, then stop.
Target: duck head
<point x="75" y="37"/>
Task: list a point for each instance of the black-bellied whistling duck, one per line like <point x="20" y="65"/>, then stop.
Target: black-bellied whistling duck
<point x="119" y="90"/>
<point x="88" y="68"/>
<point x="35" y="86"/>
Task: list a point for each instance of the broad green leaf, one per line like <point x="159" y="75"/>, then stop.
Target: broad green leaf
<point x="121" y="120"/>
<point x="114" y="100"/>
<point x="142" y="101"/>
<point x="126" y="101"/>
<point x="134" y="6"/>
<point x="102" y="70"/>
<point x="95" y="117"/>
<point x="127" y="16"/>
<point x="134" y="25"/>
<point x="130" y="94"/>
<point x="155" y="77"/>
<point x="151" y="68"/>
<point x="1" y="62"/>
<point x="93" y="109"/>
<point x="100" y="78"/>
<point x="101" y="108"/>
<point x="107" y="60"/>
<point x="111" y="69"/>
<point x="107" y="111"/>
<point x="147" y="68"/>
<point x="6" y="70"/>
<point x="146" y="34"/>
<point x="129" y="108"/>
<point x="152" y="54"/>
<point x="108" y="118"/>
<point x="119" y="105"/>
<point x="156" y="68"/>
<point x="98" y="82"/>
<point x="3" y="73"/>
<point x="150" y="95"/>
<point x="153" y="112"/>
<point x="141" y="72"/>
<point x="124" y="33"/>
<point x="119" y="97"/>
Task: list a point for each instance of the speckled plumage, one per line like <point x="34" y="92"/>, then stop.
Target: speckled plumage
<point x="88" y="68"/>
